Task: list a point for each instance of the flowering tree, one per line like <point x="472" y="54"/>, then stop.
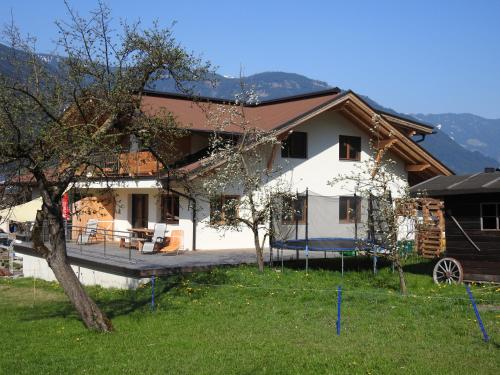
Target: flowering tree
<point x="391" y="217"/>
<point x="242" y="165"/>
<point x="54" y="121"/>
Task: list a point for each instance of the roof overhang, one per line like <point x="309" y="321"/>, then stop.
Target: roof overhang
<point x="357" y="110"/>
<point x="350" y="105"/>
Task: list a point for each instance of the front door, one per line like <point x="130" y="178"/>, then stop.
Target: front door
<point x="139" y="211"/>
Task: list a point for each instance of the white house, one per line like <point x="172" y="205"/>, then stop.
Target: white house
<point x="326" y="134"/>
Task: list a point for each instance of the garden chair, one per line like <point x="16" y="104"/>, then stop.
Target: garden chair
<point x="89" y="233"/>
<point x="158" y="238"/>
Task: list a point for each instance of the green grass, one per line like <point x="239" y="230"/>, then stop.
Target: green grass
<point x="236" y="321"/>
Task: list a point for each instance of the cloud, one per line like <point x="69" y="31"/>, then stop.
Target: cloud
<point x="476" y="142"/>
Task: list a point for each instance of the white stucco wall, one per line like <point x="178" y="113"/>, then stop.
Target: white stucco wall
<point x="314" y="173"/>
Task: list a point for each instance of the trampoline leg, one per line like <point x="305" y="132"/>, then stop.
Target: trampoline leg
<point x="325" y="254"/>
<point x="297" y="254"/>
<point x="282" y="270"/>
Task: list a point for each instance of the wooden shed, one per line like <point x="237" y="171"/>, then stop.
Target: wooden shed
<point x="472" y="225"/>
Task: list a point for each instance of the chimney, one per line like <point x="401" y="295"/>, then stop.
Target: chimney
<point x="491" y="170"/>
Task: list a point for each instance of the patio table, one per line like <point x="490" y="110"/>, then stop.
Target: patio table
<point x="141" y="235"/>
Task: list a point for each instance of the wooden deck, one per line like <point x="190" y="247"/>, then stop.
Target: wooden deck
<point x="131" y="263"/>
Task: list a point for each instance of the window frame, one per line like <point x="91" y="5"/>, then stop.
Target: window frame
<point x="497" y="216"/>
<point x="349" y="146"/>
<point x="174" y="198"/>
<point x="303" y="206"/>
<point x="221" y="199"/>
<point x="357" y="215"/>
<point x="289" y="143"/>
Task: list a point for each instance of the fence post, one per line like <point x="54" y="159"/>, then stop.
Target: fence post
<point x="339" y="302"/>
<point x="479" y="321"/>
<point x="152" y="293"/>
<point x="104" y="243"/>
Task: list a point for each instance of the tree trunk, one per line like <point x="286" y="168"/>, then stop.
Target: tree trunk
<point x="402" y="280"/>
<point x="92" y="316"/>
<point x="259" y="251"/>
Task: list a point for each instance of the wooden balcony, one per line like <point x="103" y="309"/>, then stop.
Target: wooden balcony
<point x="141" y="163"/>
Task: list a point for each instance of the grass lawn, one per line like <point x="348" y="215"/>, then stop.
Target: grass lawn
<point x="235" y="320"/>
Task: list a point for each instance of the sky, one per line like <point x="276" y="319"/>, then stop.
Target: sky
<point x="413" y="56"/>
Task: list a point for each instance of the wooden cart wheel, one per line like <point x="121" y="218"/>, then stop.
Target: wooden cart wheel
<point x="449" y="271"/>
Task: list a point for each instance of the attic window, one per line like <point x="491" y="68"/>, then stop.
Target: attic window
<point x="295" y="146"/>
<point x="349" y="148"/>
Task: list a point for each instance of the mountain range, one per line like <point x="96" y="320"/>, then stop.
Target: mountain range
<point x="464" y="142"/>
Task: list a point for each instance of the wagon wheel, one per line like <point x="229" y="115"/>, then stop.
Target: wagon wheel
<point x="448" y="270"/>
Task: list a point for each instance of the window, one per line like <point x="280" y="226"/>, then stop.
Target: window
<point x="170" y="209"/>
<point x="224" y="209"/>
<point x="139" y="211"/>
<point x="295" y="146"/>
<point x="349" y="210"/>
<point x="294" y="210"/>
<point x="490" y="216"/>
<point x="349" y="148"/>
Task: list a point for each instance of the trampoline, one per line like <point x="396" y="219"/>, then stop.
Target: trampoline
<point x="324" y="244"/>
<point x="317" y="223"/>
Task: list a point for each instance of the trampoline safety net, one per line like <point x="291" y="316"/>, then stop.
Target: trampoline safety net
<point x="323" y="223"/>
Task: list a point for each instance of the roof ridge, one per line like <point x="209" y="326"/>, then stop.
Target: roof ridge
<point x="313" y="94"/>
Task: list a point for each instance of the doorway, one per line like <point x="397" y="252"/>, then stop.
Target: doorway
<point x="139" y="211"/>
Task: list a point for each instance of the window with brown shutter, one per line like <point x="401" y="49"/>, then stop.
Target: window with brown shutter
<point x="295" y="146"/>
<point x="349" y="148"/>
<point x="295" y="210"/>
<point x="224" y="209"/>
<point x="170" y="209"/>
<point x="349" y="210"/>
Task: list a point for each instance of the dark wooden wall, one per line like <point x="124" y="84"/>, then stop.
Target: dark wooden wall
<point x="481" y="265"/>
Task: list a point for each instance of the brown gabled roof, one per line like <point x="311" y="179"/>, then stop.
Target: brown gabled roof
<point x="267" y="115"/>
<point x="284" y="115"/>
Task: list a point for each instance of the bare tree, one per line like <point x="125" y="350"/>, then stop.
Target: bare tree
<point x="242" y="167"/>
<point x="54" y="121"/>
<point x="390" y="219"/>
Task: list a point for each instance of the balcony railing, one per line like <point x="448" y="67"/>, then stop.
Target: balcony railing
<point x="141" y="163"/>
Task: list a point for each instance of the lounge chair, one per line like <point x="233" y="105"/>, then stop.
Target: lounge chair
<point x="157" y="240"/>
<point x="175" y="243"/>
<point x="89" y="233"/>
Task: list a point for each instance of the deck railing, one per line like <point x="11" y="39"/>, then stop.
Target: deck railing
<point x="103" y="241"/>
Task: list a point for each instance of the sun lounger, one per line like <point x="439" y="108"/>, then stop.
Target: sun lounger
<point x="175" y="243"/>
